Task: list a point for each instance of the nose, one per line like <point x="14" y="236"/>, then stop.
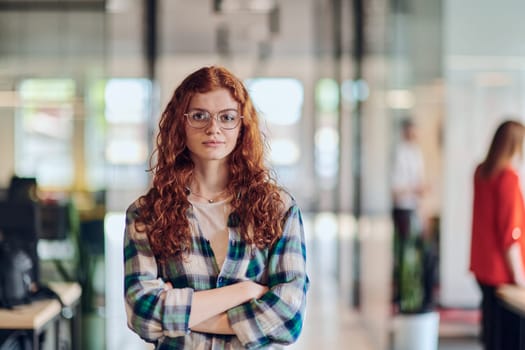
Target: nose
<point x="213" y="125"/>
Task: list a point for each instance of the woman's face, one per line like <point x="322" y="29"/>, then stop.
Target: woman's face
<point x="211" y="143"/>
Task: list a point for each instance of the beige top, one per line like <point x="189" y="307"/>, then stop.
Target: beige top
<point x="213" y="219"/>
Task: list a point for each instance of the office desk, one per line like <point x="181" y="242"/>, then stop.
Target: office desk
<point x="513" y="298"/>
<point x="41" y="315"/>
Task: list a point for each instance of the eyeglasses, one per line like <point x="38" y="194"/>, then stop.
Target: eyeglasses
<point x="227" y="119"/>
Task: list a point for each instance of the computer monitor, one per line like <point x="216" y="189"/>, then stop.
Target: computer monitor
<point x="54" y="221"/>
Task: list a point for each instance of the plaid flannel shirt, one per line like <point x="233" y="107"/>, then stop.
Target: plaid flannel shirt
<point x="160" y="315"/>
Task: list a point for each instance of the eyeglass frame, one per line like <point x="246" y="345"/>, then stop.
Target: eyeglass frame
<point x="213" y="116"/>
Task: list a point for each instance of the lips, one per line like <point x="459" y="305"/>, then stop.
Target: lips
<point x="213" y="143"/>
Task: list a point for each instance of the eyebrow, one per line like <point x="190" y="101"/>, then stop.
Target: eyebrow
<point x="205" y="110"/>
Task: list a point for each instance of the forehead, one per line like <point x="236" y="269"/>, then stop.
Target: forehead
<point x="215" y="100"/>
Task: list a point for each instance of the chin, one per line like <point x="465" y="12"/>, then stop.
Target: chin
<point x="211" y="158"/>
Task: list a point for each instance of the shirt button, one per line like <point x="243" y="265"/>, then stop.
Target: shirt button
<point x="516" y="233"/>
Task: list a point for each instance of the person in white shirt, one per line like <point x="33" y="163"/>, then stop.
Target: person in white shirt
<point x="407" y="177"/>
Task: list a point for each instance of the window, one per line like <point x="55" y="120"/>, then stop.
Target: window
<point x="45" y="130"/>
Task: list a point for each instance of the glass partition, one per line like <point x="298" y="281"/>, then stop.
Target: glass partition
<point x="44" y="131"/>
<point x="280" y="102"/>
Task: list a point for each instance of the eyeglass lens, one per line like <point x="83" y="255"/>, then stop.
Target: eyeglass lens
<point x="225" y="119"/>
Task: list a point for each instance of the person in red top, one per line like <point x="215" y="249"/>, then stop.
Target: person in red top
<point x="498" y="230"/>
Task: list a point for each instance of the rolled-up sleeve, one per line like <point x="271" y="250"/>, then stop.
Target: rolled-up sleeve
<point x="153" y="311"/>
<point x="510" y="210"/>
<point x="277" y="317"/>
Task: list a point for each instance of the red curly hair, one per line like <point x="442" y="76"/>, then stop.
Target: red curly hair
<point x="256" y="203"/>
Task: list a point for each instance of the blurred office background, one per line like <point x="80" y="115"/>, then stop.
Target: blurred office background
<point x="83" y="82"/>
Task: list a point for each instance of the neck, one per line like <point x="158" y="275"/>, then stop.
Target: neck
<point x="209" y="180"/>
<point x="207" y="189"/>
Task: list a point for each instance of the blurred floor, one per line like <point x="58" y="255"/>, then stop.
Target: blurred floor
<point x="331" y="322"/>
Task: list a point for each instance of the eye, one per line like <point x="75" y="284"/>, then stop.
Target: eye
<point x="228" y="117"/>
<point x="199" y="116"/>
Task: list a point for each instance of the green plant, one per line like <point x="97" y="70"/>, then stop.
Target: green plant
<point x="411" y="289"/>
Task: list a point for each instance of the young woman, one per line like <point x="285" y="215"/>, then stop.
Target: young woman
<point x="498" y="231"/>
<point x="214" y="251"/>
